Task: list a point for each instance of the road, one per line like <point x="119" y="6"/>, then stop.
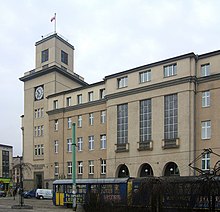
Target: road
<point x="38" y="205"/>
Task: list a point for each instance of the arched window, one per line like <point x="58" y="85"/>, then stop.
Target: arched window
<point x="171" y="169"/>
<point x="123" y="171"/>
<point x="146" y="170"/>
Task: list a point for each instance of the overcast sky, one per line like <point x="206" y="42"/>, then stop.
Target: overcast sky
<point x="109" y="36"/>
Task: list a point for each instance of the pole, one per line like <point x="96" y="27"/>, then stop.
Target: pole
<point x="74" y="164"/>
<point x="55" y="23"/>
<point x="21" y="183"/>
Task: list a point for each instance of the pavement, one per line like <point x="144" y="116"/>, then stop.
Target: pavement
<point x="6" y="204"/>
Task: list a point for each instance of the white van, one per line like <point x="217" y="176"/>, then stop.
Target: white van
<point x="44" y="194"/>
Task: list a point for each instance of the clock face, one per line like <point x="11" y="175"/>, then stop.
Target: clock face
<point x="39" y="93"/>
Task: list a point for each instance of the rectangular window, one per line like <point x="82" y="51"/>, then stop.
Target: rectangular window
<point x="39" y="149"/>
<point x="170" y="70"/>
<point x="69" y="122"/>
<point x="91" y="166"/>
<point x="145" y="76"/>
<point x="205" y="70"/>
<point x="206" y="161"/>
<point x="44" y="55"/>
<point x="91" y="118"/>
<point x="122" y="124"/>
<point x="103" y="166"/>
<point x="42" y="149"/>
<point x="91" y="142"/>
<point x="103" y="141"/>
<point x="69" y="145"/>
<point x="145" y="120"/>
<point x="35" y="150"/>
<point x="42" y="130"/>
<point x="122" y="82"/>
<point x="206" y="99"/>
<point x="69" y="168"/>
<point x="80" y="167"/>
<point x="79" y="121"/>
<point x="5" y="164"/>
<point x="64" y="57"/>
<point x="80" y="143"/>
<point x="42" y="112"/>
<point x="79" y="99"/>
<point x="55" y="104"/>
<point x="56" y="168"/>
<point x="38" y="130"/>
<point x="171" y="116"/>
<point x="56" y="123"/>
<point x="206" y="129"/>
<point x="68" y="101"/>
<point x="90" y="96"/>
<point x="56" y="146"/>
<point x="102" y="93"/>
<point x="103" y="117"/>
<point x="35" y="131"/>
<point x="35" y="114"/>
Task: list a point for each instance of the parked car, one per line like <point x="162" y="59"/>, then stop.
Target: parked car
<point x="44" y="194"/>
<point x="2" y="194"/>
<point x="29" y="194"/>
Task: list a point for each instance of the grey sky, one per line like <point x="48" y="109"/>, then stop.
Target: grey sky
<point x="109" y="36"/>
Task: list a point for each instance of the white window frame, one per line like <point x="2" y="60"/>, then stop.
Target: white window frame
<point x="102" y="93"/>
<point x="90" y="96"/>
<point x="79" y="99"/>
<point x="145" y="76"/>
<point x="206" y="129"/>
<point x="91" y="142"/>
<point x="91" y="167"/>
<point x="56" y="124"/>
<point x="206" y="162"/>
<point x="80" y="167"/>
<point x="69" y="122"/>
<point x="170" y="70"/>
<point x="205" y="70"/>
<point x="206" y="99"/>
<point x="80" y="121"/>
<point x="42" y="130"/>
<point x="122" y="82"/>
<point x="69" y="168"/>
<point x="80" y="144"/>
<point x="56" y="168"/>
<point x="55" y="104"/>
<point x="103" y="166"/>
<point x="103" y="116"/>
<point x="91" y="119"/>
<point x="38" y="130"/>
<point x="68" y="101"/>
<point x="56" y="146"/>
<point x="103" y="141"/>
<point x="69" y="144"/>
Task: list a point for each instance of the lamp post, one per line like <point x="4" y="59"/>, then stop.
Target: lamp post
<point x="74" y="164"/>
<point x="21" y="182"/>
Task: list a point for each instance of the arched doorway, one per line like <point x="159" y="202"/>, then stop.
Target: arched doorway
<point x="145" y="170"/>
<point x="171" y="169"/>
<point x="123" y="171"/>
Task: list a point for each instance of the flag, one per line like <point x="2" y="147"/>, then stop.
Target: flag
<point x="53" y="18"/>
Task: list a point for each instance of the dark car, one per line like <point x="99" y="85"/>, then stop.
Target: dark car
<point x="2" y="194"/>
<point x="29" y="194"/>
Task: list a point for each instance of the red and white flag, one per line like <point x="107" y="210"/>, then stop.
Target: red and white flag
<point x="53" y="18"/>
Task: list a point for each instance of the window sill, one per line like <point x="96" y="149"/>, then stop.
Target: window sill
<point x="170" y="143"/>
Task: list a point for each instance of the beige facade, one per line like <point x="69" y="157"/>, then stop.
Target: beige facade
<point x="142" y="121"/>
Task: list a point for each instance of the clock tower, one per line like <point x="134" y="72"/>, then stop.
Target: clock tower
<point x="53" y="73"/>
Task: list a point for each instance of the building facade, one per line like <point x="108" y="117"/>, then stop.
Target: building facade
<point x="149" y="120"/>
<point x="6" y="154"/>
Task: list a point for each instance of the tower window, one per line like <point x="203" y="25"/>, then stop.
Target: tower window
<point x="44" y="55"/>
<point x="64" y="57"/>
